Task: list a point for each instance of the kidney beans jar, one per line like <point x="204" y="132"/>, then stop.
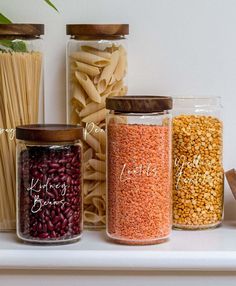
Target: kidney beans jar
<point x="49" y="184"/>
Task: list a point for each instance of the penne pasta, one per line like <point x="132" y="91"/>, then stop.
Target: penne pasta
<point x="97" y="52"/>
<point x="93" y="107"/>
<point x="74" y="118"/>
<point x="96" y="131"/>
<point x="88" y="154"/>
<point x="90" y="59"/>
<point x="87" y="69"/>
<point x="108" y="72"/>
<point x="96" y="79"/>
<point x="96" y="116"/>
<point x="97" y="176"/>
<point x="101" y="156"/>
<point x="98" y="191"/>
<point x="112" y="80"/>
<point x="79" y="94"/>
<point x="91" y="217"/>
<point x="88" y="86"/>
<point x="99" y="205"/>
<point x="93" y="142"/>
<point x="85" y="188"/>
<point x="121" y="66"/>
<point x="97" y="165"/>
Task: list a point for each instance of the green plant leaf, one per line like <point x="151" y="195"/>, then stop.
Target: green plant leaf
<point x="19" y="46"/>
<point x="51" y="4"/>
<point x="4" y="19"/>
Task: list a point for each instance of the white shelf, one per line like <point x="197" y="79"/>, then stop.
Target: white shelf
<point x="209" y="250"/>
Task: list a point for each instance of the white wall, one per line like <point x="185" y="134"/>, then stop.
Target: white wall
<point x="184" y="47"/>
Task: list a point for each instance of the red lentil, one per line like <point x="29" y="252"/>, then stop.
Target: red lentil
<point x="139" y="183"/>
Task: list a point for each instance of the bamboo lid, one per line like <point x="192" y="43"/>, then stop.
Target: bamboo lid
<point x="49" y="132"/>
<point x="139" y="104"/>
<point x="24" y="30"/>
<point x="106" y="30"/>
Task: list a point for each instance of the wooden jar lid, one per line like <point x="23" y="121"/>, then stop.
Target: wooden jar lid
<point x="106" y="30"/>
<point x="24" y="30"/>
<point x="49" y="132"/>
<point x="139" y="104"/>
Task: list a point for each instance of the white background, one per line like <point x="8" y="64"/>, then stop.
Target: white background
<point x="183" y="47"/>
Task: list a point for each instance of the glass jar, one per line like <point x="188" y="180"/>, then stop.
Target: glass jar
<point x="49" y="183"/>
<point x="96" y="69"/>
<point x="21" y="102"/>
<point x="198" y="176"/>
<point x="139" y="193"/>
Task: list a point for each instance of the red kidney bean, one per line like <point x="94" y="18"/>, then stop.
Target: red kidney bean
<point x="53" y="211"/>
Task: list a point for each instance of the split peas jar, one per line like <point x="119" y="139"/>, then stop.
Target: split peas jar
<point x="198" y="175"/>
<point x="139" y="193"/>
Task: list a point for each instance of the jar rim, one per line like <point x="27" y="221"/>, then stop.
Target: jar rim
<point x="197" y="101"/>
<point x="49" y="132"/>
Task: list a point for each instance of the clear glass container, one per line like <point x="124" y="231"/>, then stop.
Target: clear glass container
<point x="49" y="183"/>
<point x="198" y="175"/>
<point x="96" y="69"/>
<point x="139" y="171"/>
<point x="21" y="102"/>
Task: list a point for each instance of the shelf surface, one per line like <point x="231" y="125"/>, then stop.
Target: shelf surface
<point x="208" y="250"/>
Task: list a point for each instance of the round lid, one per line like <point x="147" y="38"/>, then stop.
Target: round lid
<point x="49" y="132"/>
<point x="139" y="104"/>
<point x="25" y="30"/>
<point x="97" y="29"/>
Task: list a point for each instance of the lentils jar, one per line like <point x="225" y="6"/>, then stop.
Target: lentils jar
<point x="21" y="102"/>
<point x="198" y="177"/>
<point x="96" y="69"/>
<point x="49" y="183"/>
<point x="139" y="193"/>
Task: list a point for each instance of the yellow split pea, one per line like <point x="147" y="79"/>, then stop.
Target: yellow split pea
<point x="198" y="176"/>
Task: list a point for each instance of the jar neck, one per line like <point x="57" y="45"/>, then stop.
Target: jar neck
<point x="164" y="112"/>
<point x="97" y="38"/>
<point x="56" y="143"/>
<point x="19" y="37"/>
<point x="197" y="102"/>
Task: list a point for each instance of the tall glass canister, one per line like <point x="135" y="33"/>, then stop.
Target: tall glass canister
<point x="96" y="69"/>
<point x="139" y="173"/>
<point x="21" y="102"/>
<point x="198" y="182"/>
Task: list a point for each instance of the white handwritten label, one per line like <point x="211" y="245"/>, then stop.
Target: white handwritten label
<point x="128" y="173"/>
<point x="37" y="187"/>
<point x="92" y="128"/>
<point x="11" y="132"/>
<point x="181" y="165"/>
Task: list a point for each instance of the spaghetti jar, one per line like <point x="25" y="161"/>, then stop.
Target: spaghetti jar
<point x="49" y="183"/>
<point x="21" y="102"/>
<point x="139" y="190"/>
<point x="198" y="176"/>
<point x="96" y="69"/>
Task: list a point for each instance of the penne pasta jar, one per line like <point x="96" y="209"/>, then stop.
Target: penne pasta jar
<point x="139" y="189"/>
<point x="198" y="175"/>
<point x="49" y="183"/>
<point x="21" y="102"/>
<point x="96" y="69"/>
